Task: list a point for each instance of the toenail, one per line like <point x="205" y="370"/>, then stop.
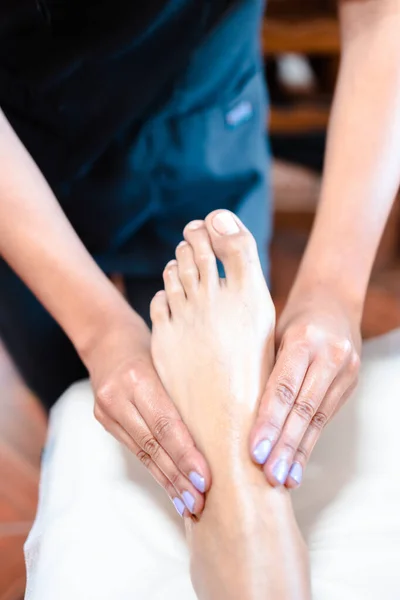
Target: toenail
<point x="171" y="263"/>
<point x="225" y="224"/>
<point x="198" y="481"/>
<point x="181" y="244"/>
<point x="180" y="507"/>
<point x="189" y="501"/>
<point x="195" y="224"/>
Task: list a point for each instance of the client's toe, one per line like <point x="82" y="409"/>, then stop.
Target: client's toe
<point x="195" y="233"/>
<point x="187" y="268"/>
<point x="234" y="245"/>
<point x="159" y="309"/>
<point x="174" y="289"/>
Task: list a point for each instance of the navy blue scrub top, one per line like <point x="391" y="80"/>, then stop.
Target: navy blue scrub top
<point x="142" y="116"/>
<point x="75" y="72"/>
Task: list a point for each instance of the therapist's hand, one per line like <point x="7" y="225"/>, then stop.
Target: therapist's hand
<point x="318" y="342"/>
<point x="132" y="405"/>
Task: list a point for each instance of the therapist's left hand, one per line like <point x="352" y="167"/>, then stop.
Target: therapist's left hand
<point x="319" y="342"/>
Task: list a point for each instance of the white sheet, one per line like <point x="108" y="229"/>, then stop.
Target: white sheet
<point x="105" y="531"/>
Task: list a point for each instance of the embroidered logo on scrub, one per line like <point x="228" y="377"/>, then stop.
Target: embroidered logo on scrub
<point x="239" y="114"/>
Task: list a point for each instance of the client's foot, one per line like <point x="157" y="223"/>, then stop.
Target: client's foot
<point x="213" y="349"/>
<point x="212" y="337"/>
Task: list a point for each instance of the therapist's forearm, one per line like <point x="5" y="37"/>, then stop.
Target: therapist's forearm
<point x="39" y="243"/>
<point x="362" y="167"/>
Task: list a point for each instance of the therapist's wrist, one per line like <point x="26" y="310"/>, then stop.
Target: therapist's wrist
<point x="330" y="275"/>
<point x="111" y="318"/>
<point x="312" y="290"/>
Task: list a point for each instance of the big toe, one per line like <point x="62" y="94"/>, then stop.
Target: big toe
<point x="235" y="247"/>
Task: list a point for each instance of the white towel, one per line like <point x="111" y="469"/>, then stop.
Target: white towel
<point x="105" y="531"/>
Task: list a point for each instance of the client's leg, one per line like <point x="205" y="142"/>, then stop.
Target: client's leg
<point x="213" y="348"/>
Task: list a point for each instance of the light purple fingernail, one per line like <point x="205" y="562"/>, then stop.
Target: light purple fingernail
<point x="189" y="501"/>
<point x="262" y="451"/>
<point x="198" y="481"/>
<point x="281" y="470"/>
<point x="296" y="472"/>
<point x="180" y="507"/>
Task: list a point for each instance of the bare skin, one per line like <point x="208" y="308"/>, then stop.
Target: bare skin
<point x="113" y="341"/>
<point x="318" y="333"/>
<point x="213" y="347"/>
<point x="322" y="316"/>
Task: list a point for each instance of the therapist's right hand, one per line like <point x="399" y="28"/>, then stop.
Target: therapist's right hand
<point x="132" y="405"/>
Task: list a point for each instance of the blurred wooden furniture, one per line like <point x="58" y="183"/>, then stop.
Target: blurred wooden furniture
<point x="307" y="27"/>
<point x="310" y="27"/>
<point x="303" y="35"/>
<point x="22" y="433"/>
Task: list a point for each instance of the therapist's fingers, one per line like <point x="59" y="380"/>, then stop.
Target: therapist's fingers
<point x="339" y="393"/>
<point x="167" y="428"/>
<point x="149" y="448"/>
<point x="305" y="411"/>
<point x="119" y="433"/>
<point x="282" y="389"/>
<point x="137" y="390"/>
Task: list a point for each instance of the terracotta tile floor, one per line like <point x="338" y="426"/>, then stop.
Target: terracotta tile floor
<point x="22" y="423"/>
<point x="22" y="431"/>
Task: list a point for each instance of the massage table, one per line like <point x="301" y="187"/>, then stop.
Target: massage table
<point x="105" y="531"/>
